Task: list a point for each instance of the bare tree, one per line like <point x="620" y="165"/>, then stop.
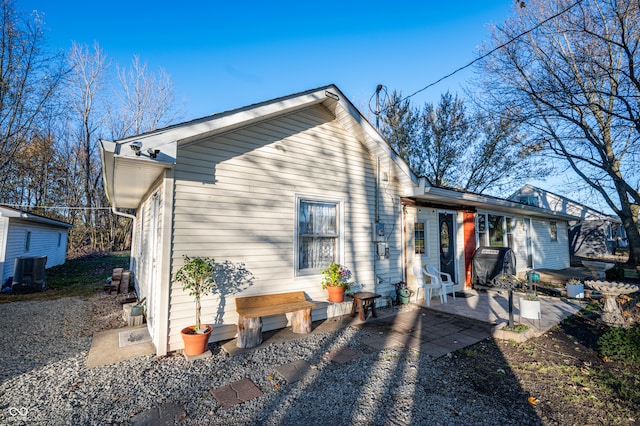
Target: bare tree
<point x="453" y="148"/>
<point x="573" y="82"/>
<point x="146" y="100"/>
<point x="86" y="87"/>
<point x="28" y="79"/>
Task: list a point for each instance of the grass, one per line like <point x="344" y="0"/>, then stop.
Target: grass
<point x="82" y="277"/>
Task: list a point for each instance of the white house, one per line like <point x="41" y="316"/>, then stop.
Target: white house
<point x="445" y="226"/>
<point x="591" y="232"/>
<point x="284" y="187"/>
<point x="29" y="235"/>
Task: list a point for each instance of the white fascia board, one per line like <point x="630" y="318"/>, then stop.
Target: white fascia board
<point x="223" y="122"/>
<point x="483" y="202"/>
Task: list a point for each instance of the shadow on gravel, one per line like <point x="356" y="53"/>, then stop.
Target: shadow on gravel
<point x="395" y="381"/>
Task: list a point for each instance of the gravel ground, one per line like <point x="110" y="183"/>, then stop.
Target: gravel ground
<point x="44" y="379"/>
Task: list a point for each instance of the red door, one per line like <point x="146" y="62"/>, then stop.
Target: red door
<point x="469" y="219"/>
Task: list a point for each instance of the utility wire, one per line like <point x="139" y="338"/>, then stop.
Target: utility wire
<point x="53" y="207"/>
<point x="492" y="51"/>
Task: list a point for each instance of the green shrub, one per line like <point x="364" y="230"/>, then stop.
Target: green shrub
<point x="615" y="273"/>
<point x="621" y="344"/>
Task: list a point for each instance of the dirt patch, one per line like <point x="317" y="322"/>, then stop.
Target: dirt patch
<point x="560" y="375"/>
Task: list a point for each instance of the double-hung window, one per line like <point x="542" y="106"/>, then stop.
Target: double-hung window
<point x="318" y="235"/>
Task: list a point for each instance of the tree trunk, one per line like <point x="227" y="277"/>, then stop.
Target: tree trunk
<point x="630" y="224"/>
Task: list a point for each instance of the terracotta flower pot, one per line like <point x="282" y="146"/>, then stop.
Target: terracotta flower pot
<point x="336" y="294"/>
<point x="195" y="343"/>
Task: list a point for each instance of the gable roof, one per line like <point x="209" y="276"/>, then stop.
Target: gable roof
<point x="130" y="167"/>
<point x="554" y="202"/>
<point x="19" y="214"/>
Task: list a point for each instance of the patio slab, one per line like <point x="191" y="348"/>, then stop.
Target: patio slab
<point x="342" y="355"/>
<point x="236" y="393"/>
<point x="492" y="307"/>
<point x="294" y="371"/>
<point x="106" y="349"/>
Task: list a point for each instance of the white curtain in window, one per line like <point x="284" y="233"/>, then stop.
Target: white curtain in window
<point x="317" y="234"/>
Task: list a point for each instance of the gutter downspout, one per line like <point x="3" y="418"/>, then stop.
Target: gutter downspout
<point x="133" y="230"/>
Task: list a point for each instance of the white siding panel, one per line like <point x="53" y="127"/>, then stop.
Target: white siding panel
<point x="235" y="200"/>
<point x="44" y="242"/>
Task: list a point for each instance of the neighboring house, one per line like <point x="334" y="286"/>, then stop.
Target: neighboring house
<point x="29" y="235"/>
<point x="591" y="234"/>
<point x="284" y="187"/>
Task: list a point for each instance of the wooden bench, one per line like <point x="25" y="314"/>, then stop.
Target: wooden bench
<point x="251" y="309"/>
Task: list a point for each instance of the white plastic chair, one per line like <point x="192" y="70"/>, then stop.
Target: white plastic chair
<point x="445" y="281"/>
<point x="421" y="283"/>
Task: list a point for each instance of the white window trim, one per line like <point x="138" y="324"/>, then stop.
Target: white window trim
<point x="426" y="237"/>
<point x="318" y="199"/>
<point x="486" y="214"/>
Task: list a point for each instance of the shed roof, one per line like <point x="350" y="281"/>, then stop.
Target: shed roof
<point x="31" y="217"/>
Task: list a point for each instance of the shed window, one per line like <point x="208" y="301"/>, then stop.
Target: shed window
<point x="59" y="239"/>
<point x="419" y="237"/>
<point x="318" y="235"/>
<point x="27" y="241"/>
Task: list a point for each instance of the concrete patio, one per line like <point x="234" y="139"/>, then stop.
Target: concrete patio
<point x="492" y="307"/>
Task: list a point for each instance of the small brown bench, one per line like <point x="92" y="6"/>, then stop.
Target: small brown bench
<point x="251" y="309"/>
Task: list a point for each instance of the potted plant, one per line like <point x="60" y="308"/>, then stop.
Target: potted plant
<point x="575" y="289"/>
<point x="530" y="306"/>
<point x="336" y="281"/>
<point x="196" y="276"/>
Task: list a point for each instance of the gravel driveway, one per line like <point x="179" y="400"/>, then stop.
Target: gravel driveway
<point x="44" y="379"/>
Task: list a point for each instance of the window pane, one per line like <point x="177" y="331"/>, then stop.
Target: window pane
<point x="419" y="237"/>
<point x="553" y="230"/>
<point x="318" y="218"/>
<point x="317" y="235"/>
<point x="496" y="231"/>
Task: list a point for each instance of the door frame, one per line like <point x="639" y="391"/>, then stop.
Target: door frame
<point x="454" y="241"/>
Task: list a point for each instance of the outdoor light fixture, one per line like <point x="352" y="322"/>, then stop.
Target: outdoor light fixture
<point x="136" y="146"/>
<point x="331" y="95"/>
<point x="153" y="153"/>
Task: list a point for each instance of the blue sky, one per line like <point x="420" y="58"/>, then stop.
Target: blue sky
<point x="224" y="55"/>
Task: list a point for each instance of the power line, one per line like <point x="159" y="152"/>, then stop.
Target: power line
<point x="53" y="207"/>
<point x="492" y="51"/>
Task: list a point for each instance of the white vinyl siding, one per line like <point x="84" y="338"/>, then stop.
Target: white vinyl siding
<point x="43" y="241"/>
<point x="235" y="199"/>
<point x="546" y="254"/>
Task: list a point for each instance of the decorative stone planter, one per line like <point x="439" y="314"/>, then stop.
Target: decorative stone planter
<point x="575" y="291"/>
<point x="598" y="269"/>
<point x="611" y="313"/>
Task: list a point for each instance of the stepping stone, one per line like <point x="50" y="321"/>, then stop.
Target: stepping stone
<point x="165" y="414"/>
<point x="294" y="371"/>
<point x="342" y="355"/>
<point x="236" y="393"/>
